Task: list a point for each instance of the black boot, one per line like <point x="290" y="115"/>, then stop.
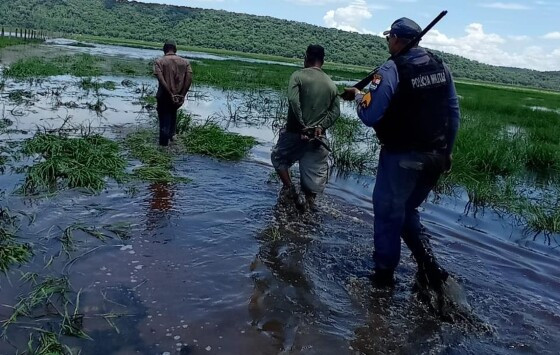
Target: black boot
<point x="291" y="193"/>
<point x="430" y="272"/>
<point x="383" y="278"/>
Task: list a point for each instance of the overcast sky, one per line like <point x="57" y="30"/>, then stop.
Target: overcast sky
<point x="523" y="33"/>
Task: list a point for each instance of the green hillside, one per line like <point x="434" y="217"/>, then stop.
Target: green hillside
<point x="233" y="31"/>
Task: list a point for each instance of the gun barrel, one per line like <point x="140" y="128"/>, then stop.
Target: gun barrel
<point x="365" y="81"/>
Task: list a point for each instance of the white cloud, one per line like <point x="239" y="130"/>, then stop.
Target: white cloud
<point x="493" y="49"/>
<point x="552" y="35"/>
<point x="506" y="6"/>
<point x="349" y="18"/>
<point x="315" y="2"/>
<point x="519" y="38"/>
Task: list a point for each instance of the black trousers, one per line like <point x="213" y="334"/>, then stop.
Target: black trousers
<point x="167" y="115"/>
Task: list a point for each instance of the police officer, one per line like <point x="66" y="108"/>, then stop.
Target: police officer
<point x="412" y="105"/>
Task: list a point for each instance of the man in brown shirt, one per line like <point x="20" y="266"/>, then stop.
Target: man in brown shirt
<point x="174" y="75"/>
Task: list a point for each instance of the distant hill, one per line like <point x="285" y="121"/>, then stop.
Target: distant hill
<point x="233" y="31"/>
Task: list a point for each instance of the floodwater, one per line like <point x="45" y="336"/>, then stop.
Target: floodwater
<point x="216" y="266"/>
<point x="144" y="53"/>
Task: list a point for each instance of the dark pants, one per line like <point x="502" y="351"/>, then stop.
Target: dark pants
<point x="167" y="115"/>
<point x="403" y="182"/>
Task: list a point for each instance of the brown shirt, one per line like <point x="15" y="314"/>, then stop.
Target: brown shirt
<point x="177" y="72"/>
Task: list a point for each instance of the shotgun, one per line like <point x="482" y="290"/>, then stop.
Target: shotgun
<point x="365" y="81"/>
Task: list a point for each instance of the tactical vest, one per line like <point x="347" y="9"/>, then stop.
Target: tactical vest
<point x="418" y="115"/>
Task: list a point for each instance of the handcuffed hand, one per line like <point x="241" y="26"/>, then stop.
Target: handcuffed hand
<point x="178" y="100"/>
<point x="318" y="132"/>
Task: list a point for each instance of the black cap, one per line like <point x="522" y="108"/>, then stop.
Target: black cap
<point x="404" y="28"/>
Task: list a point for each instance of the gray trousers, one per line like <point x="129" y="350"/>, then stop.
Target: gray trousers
<point x="312" y="158"/>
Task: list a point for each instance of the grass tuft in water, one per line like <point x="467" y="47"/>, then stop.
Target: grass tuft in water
<point x="11" y="252"/>
<point x="212" y="140"/>
<point x="157" y="174"/>
<point x="541" y="219"/>
<point x="80" y="65"/>
<point x="72" y="162"/>
<point x="42" y="293"/>
<point x="158" y="163"/>
<point x="77" y="65"/>
<point x="90" y="84"/>
<point x="48" y="344"/>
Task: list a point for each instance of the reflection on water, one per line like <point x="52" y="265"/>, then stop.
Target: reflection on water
<point x="160" y="205"/>
<point x="162" y="196"/>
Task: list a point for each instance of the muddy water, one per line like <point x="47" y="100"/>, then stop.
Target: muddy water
<point x="216" y="266"/>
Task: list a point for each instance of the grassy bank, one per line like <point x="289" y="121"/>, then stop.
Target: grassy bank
<point x="10" y="41"/>
<point x="80" y="65"/>
<point x="507" y="154"/>
<point x="225" y="74"/>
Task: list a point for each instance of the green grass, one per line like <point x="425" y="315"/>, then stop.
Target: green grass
<point x="48" y="343"/>
<point x="80" y="65"/>
<point x="346" y="136"/>
<point x="11" y="252"/>
<point x="72" y="162"/>
<point x="212" y="140"/>
<point x="225" y="74"/>
<point x="158" y="162"/>
<point x="10" y="41"/>
<point x="543" y="219"/>
<point x="233" y="74"/>
<point x="41" y="294"/>
<point x="90" y="84"/>
<point x="207" y="139"/>
<point x="33" y="67"/>
<point x="502" y="146"/>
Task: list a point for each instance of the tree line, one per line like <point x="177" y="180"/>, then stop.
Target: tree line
<point x="234" y="31"/>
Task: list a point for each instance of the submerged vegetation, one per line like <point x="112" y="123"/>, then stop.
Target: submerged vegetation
<point x="96" y="85"/>
<point x="157" y="162"/>
<point x="212" y="140"/>
<point x="72" y="162"/>
<point x="11" y="252"/>
<point x="353" y="147"/>
<point x="206" y="139"/>
<point x="80" y="65"/>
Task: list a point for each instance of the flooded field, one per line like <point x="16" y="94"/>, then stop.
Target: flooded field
<point x="217" y="266"/>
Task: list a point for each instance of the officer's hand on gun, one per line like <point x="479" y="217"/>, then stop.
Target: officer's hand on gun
<point x="349" y="94"/>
